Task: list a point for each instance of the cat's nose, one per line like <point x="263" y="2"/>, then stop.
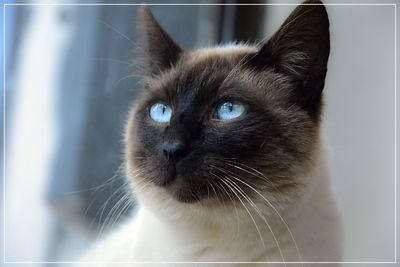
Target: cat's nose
<point x="173" y="150"/>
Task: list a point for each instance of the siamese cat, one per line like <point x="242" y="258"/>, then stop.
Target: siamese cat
<point x="225" y="155"/>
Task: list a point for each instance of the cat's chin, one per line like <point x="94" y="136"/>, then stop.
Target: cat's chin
<point x="185" y="196"/>
<point x="183" y="192"/>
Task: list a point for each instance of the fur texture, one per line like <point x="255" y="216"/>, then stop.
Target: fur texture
<point x="255" y="188"/>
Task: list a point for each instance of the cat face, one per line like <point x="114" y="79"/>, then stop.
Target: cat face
<point x="225" y="122"/>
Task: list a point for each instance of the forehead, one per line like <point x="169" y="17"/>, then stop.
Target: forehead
<point x="213" y="72"/>
<point x="200" y="71"/>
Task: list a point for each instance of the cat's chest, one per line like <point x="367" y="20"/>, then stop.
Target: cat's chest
<point x="154" y="240"/>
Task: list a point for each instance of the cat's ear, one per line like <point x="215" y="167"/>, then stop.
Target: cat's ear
<point x="162" y="51"/>
<point x="300" y="48"/>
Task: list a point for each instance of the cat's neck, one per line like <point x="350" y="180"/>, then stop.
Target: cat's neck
<point x="258" y="228"/>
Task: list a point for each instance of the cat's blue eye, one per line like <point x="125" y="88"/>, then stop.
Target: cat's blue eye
<point x="160" y="112"/>
<point x="229" y="110"/>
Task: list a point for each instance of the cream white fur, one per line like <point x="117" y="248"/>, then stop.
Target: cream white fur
<point x="164" y="230"/>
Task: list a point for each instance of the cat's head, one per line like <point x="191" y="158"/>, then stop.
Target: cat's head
<point x="216" y="124"/>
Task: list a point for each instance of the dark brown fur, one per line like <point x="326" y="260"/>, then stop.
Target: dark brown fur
<point x="269" y="147"/>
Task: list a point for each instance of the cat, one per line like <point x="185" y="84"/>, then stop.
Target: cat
<point x="225" y="154"/>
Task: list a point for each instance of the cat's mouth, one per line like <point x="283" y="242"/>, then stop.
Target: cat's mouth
<point x="182" y="182"/>
<point x="182" y="186"/>
<point x="182" y="190"/>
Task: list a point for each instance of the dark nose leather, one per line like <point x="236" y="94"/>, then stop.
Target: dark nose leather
<point x="173" y="150"/>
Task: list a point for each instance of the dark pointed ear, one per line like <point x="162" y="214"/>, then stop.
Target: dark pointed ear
<point x="162" y="51"/>
<point x="300" y="49"/>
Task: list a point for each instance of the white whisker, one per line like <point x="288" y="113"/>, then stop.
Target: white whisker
<point x="261" y="216"/>
<point x="251" y="216"/>
<point x="277" y="212"/>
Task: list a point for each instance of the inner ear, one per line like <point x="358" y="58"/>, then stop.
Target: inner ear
<point x="162" y="51"/>
<point x="300" y="49"/>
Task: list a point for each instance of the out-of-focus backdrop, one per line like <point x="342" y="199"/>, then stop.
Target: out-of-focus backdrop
<point x="68" y="87"/>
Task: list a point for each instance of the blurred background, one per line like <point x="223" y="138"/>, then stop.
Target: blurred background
<point x="69" y="83"/>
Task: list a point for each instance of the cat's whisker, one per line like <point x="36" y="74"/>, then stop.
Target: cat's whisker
<point x="125" y="207"/>
<point x="124" y="78"/>
<point x="208" y="190"/>
<point x="139" y="170"/>
<point x="217" y="196"/>
<point x="122" y="35"/>
<point x="263" y="143"/>
<point x="250" y="170"/>
<point x="231" y="199"/>
<point x="111" y="214"/>
<point x="224" y="171"/>
<point x="143" y="52"/>
<point x="101" y="186"/>
<point x="232" y="175"/>
<point x="126" y="204"/>
<point x="251" y="202"/>
<point x="88" y="208"/>
<point x="247" y="210"/>
<point x="115" y="192"/>
<point x="111" y="60"/>
<point x="277" y="212"/>
<point x="142" y="186"/>
<point x="99" y="214"/>
<point x="213" y="188"/>
<point x="233" y="70"/>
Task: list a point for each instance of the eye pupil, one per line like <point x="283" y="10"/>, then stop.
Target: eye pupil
<point x="160" y="112"/>
<point x="230" y="106"/>
<point x="229" y="111"/>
